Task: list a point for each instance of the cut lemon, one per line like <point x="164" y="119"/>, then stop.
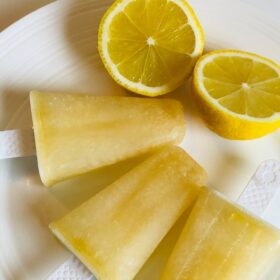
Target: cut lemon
<point x="150" y="46"/>
<point x="238" y="93"/>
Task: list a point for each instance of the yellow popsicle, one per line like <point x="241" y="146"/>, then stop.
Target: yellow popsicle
<point x="116" y="231"/>
<point x="75" y="134"/>
<point x="222" y="242"/>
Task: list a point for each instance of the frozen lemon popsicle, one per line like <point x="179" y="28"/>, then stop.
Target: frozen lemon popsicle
<point x="75" y="134"/>
<point x="222" y="242"/>
<point x="116" y="231"/>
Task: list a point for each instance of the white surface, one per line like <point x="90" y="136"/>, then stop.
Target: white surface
<point x="55" y="49"/>
<point x="270" y="7"/>
<point x="272" y="213"/>
<point x="272" y="179"/>
<point x="12" y="10"/>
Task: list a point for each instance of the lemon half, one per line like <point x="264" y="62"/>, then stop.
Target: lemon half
<point x="150" y="46"/>
<point x="238" y="93"/>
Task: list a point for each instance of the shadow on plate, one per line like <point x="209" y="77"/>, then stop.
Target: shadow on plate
<point x="12" y="100"/>
<point x="157" y="261"/>
<point x="31" y="207"/>
<point x="73" y="192"/>
<point x="82" y="41"/>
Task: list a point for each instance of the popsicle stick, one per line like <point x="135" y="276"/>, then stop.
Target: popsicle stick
<point x="262" y="188"/>
<point x="17" y="143"/>
<point x="72" y="269"/>
<point x="256" y="197"/>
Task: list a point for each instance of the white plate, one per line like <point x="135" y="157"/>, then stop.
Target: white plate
<point x="54" y="49"/>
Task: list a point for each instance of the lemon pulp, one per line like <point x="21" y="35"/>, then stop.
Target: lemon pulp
<point x="239" y="93"/>
<point x="150" y="46"/>
<point x="243" y="85"/>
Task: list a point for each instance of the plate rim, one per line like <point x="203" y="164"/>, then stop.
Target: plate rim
<point x="13" y="29"/>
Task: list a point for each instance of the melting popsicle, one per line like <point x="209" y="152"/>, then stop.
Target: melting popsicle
<point x="116" y="231"/>
<point x="75" y="134"/>
<point x="222" y="241"/>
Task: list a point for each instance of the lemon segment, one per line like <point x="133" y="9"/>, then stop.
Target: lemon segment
<point x="238" y="93"/>
<point x="150" y="47"/>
